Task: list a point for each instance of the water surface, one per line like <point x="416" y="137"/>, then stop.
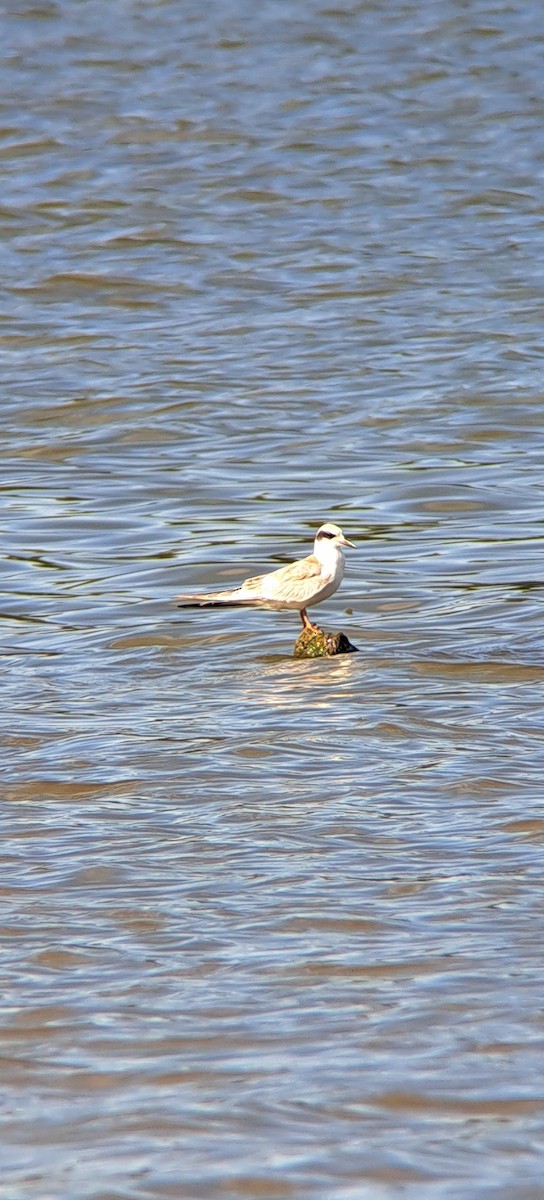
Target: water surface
<point x="272" y="928"/>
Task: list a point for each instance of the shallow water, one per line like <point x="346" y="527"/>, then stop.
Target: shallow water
<point x="272" y="928"/>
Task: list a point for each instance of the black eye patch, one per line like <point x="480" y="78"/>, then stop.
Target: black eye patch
<point x="325" y="533"/>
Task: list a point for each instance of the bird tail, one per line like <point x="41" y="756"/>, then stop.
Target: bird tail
<point x="215" y="600"/>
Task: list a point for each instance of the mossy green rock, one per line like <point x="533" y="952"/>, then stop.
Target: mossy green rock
<point x="315" y="643"/>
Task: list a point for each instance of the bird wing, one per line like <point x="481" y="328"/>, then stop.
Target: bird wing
<point x="297" y="581"/>
<point x="296" y="584"/>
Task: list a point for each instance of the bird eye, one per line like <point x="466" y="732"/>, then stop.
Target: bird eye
<point x="326" y="533"/>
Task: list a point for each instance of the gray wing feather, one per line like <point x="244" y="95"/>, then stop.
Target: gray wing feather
<point x="296" y="581"/>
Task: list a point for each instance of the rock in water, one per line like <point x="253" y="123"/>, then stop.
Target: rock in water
<point x="315" y="643"/>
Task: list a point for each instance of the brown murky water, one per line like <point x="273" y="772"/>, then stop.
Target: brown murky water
<point x="272" y="929"/>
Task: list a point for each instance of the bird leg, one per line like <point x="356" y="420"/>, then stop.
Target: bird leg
<point x="306" y="620"/>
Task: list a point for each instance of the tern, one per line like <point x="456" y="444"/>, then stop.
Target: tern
<point x="297" y="586"/>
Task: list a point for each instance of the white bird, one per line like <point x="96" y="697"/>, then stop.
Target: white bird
<point x="297" y="586"/>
